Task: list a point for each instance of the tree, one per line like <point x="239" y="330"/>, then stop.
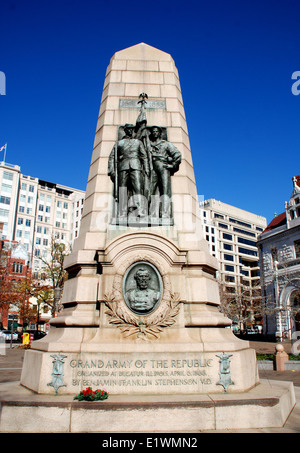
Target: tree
<point x="242" y="303"/>
<point x="53" y="271"/>
<point x="43" y="294"/>
<point x="8" y="291"/>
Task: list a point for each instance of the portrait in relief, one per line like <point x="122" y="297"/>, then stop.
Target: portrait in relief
<point x="142" y="287"/>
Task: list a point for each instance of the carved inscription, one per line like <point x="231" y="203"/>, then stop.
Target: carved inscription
<point x="142" y="372"/>
<point x="134" y="104"/>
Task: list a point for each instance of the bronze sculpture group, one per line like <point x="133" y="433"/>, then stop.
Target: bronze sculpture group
<point x="140" y="165"/>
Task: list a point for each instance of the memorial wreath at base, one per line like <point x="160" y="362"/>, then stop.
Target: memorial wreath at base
<point x="90" y="395"/>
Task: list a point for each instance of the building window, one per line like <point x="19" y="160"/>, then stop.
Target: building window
<point x="297" y="249"/>
<point x="31" y="188"/>
<point x="17" y="268"/>
<point x="229" y="268"/>
<point x="223" y="225"/>
<point x="247" y="251"/>
<point x="228" y="257"/>
<point x="248" y="233"/>
<point x="247" y="225"/>
<point x="227" y="236"/>
<point x="227" y="247"/>
<point x="6" y="188"/>
<point x="28" y="222"/>
<point x="8" y="175"/>
<point x="246" y="241"/>
<point x="243" y="272"/>
<point x="4" y="200"/>
<point x="4" y="212"/>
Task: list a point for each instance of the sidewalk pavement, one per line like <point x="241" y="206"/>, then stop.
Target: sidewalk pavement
<point x="11" y="363"/>
<point x="264" y="347"/>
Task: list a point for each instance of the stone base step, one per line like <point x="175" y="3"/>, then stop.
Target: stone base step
<point x="266" y="405"/>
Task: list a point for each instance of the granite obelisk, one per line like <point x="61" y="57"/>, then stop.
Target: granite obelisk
<point x="141" y="301"/>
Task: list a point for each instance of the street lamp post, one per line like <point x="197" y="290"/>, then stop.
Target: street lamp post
<point x="12" y="330"/>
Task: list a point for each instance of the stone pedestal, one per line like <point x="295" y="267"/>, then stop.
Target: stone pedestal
<point x="280" y="358"/>
<point x="105" y="337"/>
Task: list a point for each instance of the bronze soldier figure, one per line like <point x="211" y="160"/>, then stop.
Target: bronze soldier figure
<point x="165" y="161"/>
<point x="127" y="165"/>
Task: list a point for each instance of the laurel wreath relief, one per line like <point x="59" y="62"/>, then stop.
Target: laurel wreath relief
<point x="149" y="326"/>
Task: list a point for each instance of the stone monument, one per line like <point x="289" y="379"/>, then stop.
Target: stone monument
<point x="141" y="304"/>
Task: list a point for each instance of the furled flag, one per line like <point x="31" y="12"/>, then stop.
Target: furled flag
<point x="3" y="148"/>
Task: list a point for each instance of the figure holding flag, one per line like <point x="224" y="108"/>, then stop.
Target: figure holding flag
<point x="3" y="148"/>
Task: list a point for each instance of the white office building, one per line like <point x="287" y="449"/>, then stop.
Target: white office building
<point x="33" y="211"/>
<point x="232" y="233"/>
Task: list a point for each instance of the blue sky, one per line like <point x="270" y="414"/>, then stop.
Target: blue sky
<point x="235" y="60"/>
